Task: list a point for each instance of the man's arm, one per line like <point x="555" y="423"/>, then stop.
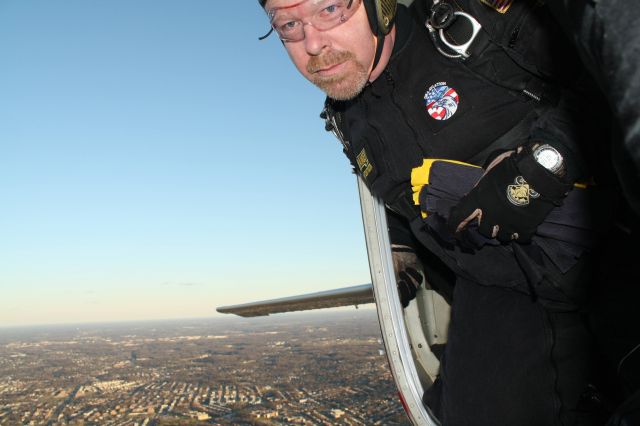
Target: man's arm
<point x="408" y="268"/>
<point x="520" y="187"/>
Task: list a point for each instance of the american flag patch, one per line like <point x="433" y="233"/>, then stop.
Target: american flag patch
<point x="498" y="5"/>
<point x="441" y="101"/>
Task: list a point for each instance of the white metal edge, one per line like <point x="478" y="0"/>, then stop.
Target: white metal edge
<point x="389" y="310"/>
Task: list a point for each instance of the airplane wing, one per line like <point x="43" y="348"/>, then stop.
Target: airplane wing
<point x="356" y="295"/>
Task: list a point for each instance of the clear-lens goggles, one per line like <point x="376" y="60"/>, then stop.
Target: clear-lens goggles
<point x="288" y="22"/>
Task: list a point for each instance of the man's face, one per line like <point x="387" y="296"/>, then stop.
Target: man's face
<point x="338" y="60"/>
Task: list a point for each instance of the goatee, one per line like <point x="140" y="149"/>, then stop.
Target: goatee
<point x="342" y="86"/>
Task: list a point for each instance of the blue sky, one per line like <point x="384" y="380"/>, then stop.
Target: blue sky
<point x="157" y="160"/>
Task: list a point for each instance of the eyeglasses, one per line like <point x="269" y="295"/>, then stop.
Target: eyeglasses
<point x="288" y="22"/>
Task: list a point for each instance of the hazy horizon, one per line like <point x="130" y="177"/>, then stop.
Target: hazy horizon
<point x="286" y="316"/>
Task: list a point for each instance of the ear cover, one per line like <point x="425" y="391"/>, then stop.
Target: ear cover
<point x="381" y="14"/>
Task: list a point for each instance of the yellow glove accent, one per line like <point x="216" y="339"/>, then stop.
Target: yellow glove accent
<point x="420" y="177"/>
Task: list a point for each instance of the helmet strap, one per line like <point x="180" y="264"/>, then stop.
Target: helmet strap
<point x="379" y="47"/>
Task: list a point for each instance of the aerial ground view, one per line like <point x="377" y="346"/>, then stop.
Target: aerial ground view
<point x="306" y="369"/>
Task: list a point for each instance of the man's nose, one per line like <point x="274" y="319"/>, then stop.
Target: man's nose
<point x="314" y="41"/>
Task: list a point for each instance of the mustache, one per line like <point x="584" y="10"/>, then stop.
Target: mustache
<point x="329" y="59"/>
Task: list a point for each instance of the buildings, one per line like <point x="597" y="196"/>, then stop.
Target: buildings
<point x="312" y="370"/>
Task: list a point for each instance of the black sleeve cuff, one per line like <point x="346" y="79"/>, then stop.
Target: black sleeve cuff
<point x="399" y="230"/>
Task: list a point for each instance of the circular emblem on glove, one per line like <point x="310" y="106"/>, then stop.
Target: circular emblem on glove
<point x="441" y="101"/>
<point x="520" y="193"/>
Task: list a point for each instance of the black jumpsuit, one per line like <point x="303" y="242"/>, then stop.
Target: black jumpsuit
<point x="517" y="351"/>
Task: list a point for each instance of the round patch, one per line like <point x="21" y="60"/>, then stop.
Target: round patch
<point x="441" y="101"/>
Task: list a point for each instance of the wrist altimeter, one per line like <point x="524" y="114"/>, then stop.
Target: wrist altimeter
<point x="544" y="169"/>
<point x="549" y="158"/>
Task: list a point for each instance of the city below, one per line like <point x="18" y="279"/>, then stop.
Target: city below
<point x="322" y="368"/>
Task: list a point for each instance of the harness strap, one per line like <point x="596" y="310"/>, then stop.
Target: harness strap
<point x="484" y="56"/>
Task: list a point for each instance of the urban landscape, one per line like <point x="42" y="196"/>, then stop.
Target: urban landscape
<point x="308" y="369"/>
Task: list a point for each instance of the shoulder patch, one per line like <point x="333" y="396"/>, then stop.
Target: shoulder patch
<point x="363" y="163"/>
<point x="441" y="101"/>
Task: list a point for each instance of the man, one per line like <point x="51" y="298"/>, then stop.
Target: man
<point x="511" y="100"/>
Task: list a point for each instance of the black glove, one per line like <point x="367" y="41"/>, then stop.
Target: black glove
<point x="408" y="273"/>
<point x="408" y="284"/>
<point x="510" y="207"/>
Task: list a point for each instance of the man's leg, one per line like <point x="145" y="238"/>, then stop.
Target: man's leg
<point x="509" y="361"/>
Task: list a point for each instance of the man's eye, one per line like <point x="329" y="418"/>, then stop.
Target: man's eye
<point x="331" y="11"/>
<point x="287" y="27"/>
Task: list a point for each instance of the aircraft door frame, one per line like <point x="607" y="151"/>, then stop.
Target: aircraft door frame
<point x="390" y="312"/>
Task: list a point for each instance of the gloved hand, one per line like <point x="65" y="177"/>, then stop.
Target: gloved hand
<point x="505" y="204"/>
<point x="409" y="272"/>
